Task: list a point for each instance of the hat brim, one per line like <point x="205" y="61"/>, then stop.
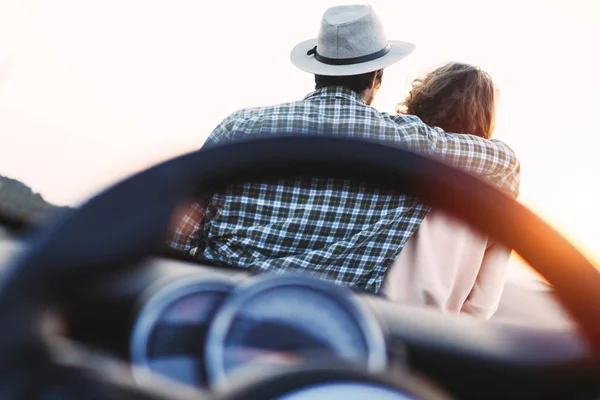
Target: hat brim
<point x="298" y="56"/>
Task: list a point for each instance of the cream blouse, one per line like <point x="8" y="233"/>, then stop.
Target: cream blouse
<point x="450" y="266"/>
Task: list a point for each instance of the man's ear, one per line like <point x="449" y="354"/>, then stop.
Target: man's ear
<point x="374" y="81"/>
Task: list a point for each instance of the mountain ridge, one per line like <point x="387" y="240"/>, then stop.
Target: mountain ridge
<point x="20" y="201"/>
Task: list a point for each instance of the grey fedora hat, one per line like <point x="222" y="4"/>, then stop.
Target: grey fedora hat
<point x="351" y="41"/>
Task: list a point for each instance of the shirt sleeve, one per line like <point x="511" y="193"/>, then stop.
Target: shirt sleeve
<point x="186" y="225"/>
<point x="221" y="133"/>
<point x="485" y="296"/>
<point x="491" y="159"/>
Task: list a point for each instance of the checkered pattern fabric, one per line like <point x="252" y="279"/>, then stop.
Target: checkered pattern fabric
<point x="344" y="231"/>
<point x="186" y="226"/>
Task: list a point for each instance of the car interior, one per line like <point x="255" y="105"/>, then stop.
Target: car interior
<point x="98" y="308"/>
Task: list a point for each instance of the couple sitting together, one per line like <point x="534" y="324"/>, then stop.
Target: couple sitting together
<point x="373" y="240"/>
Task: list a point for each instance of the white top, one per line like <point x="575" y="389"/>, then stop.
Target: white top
<point x="448" y="265"/>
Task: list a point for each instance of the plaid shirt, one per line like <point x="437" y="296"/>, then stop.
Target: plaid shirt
<point x="342" y="230"/>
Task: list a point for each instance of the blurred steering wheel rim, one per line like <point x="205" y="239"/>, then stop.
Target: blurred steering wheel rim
<point x="138" y="210"/>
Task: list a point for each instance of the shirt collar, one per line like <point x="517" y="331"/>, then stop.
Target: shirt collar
<point x="337" y="92"/>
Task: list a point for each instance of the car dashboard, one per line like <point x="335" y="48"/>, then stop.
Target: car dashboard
<point x="202" y="325"/>
<point x="199" y="329"/>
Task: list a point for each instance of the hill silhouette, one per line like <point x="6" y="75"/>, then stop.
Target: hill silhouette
<point x="19" y="201"/>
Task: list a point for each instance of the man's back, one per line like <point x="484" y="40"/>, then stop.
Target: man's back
<point x="345" y="230"/>
<point x="339" y="111"/>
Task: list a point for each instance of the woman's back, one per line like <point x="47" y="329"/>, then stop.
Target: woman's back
<point x="450" y="266"/>
<point x="446" y="264"/>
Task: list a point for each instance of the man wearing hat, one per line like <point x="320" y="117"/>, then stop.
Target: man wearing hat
<point x="263" y="224"/>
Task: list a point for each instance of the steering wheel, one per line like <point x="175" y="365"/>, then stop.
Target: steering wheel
<point x="126" y="223"/>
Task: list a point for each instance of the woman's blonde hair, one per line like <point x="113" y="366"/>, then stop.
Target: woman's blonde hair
<point x="456" y="97"/>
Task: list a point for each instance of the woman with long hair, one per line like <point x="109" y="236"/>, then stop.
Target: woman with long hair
<point x="446" y="264"/>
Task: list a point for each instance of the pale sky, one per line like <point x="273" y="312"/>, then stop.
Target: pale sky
<point x="92" y="91"/>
